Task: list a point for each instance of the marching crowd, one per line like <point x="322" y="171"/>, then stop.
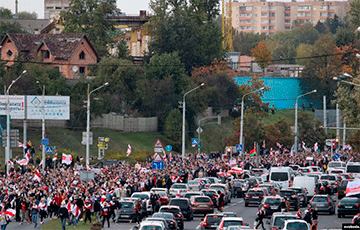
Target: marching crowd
<point x="29" y="195"/>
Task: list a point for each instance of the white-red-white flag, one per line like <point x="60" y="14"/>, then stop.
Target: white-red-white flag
<point x="37" y="176"/>
<point x="66" y="159"/>
<point x="316" y="147"/>
<point x="164" y="157"/>
<point x="21" y="145"/>
<point x="10" y="212"/>
<point x="128" y="151"/>
<point x="87" y="166"/>
<point x="170" y="157"/>
<point x="23" y="162"/>
<point x="303" y="145"/>
<point x="55" y="157"/>
<point x="279" y="145"/>
<point x="11" y="163"/>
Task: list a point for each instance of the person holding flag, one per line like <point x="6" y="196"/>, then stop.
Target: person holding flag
<point x="4" y="219"/>
<point x="128" y="151"/>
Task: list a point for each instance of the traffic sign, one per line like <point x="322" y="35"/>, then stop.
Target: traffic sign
<point x="158" y="165"/>
<point x="49" y="149"/>
<point x="158" y="144"/>
<point x="194" y="142"/>
<point x="199" y="130"/>
<point x="336" y="156"/>
<point x="168" y="148"/>
<point x="157" y="157"/>
<point x="238" y="148"/>
<point x="158" y="150"/>
<point x="45" y="141"/>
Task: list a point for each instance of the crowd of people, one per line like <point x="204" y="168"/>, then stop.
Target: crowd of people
<point x="60" y="193"/>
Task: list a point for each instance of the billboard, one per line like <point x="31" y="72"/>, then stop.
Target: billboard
<point x="17" y="106"/>
<point x="56" y="107"/>
<point x="31" y="107"/>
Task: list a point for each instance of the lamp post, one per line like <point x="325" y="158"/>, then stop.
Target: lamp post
<point x="347" y="82"/>
<point x="242" y="116"/>
<point x="88" y="122"/>
<point x="43" y="124"/>
<point x="296" y="117"/>
<point x="7" y="152"/>
<point x="183" y="119"/>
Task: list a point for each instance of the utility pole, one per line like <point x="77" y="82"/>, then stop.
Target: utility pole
<point x="324" y="111"/>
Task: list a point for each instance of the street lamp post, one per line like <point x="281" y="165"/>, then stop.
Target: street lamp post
<point x="183" y="119"/>
<point x="43" y="124"/>
<point x="242" y="117"/>
<point x="88" y="122"/>
<point x="7" y="152"/>
<point x="296" y="117"/>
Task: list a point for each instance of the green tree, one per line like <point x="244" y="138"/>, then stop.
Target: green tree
<point x="188" y="29"/>
<point x="262" y="54"/>
<point x="5" y="13"/>
<point x="9" y="27"/>
<point x="90" y="17"/>
<point x="27" y="15"/>
<point x="304" y="34"/>
<point x="173" y="129"/>
<point x="321" y="28"/>
<point x="309" y="129"/>
<point x="245" y="42"/>
<point x="344" y="37"/>
<point x="354" y="12"/>
<point x="333" y="24"/>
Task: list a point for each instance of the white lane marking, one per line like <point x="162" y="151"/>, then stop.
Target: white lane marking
<point x="198" y="227"/>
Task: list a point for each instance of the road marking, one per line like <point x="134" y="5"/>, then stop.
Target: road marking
<point x="198" y="227"/>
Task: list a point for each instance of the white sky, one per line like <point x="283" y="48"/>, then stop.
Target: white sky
<point x="131" y="7"/>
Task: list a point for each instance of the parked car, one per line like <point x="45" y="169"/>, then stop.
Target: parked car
<point x="169" y="217"/>
<point x="292" y="197"/>
<point x="294" y="224"/>
<point x="230" y="221"/>
<point x="185" y="207"/>
<point x="271" y="204"/>
<point x="323" y="203"/>
<point x="201" y="204"/>
<point x="255" y="196"/>
<point x="348" y="206"/>
<point x="277" y="218"/>
<point x="302" y="193"/>
<point x="176" y="211"/>
<point x="211" y="221"/>
<point x="342" y="188"/>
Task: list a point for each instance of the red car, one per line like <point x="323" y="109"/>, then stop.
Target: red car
<point x="164" y="199"/>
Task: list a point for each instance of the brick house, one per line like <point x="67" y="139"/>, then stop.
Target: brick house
<point x="72" y="53"/>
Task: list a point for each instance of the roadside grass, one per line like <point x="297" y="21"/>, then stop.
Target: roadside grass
<point x="287" y="114"/>
<point x="55" y="224"/>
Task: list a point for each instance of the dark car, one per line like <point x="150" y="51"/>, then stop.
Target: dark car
<point x="342" y="188"/>
<point x="333" y="179"/>
<point x="348" y="206"/>
<point x="212" y="194"/>
<point x="185" y="207"/>
<point x="323" y="203"/>
<point x="238" y="188"/>
<point x="253" y="182"/>
<point x="126" y="211"/>
<point x="211" y="221"/>
<point x="302" y="193"/>
<point x="269" y="187"/>
<point x="176" y="211"/>
<point x="255" y="196"/>
<point x="271" y="204"/>
<point x="291" y="196"/>
<point x="166" y="224"/>
<point x="169" y="217"/>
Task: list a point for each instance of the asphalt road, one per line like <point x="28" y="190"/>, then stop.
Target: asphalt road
<point x="325" y="221"/>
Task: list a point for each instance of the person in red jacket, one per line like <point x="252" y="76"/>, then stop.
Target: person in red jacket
<point x="88" y="208"/>
<point x="105" y="213"/>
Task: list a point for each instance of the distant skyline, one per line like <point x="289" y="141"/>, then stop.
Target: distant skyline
<point x="131" y="7"/>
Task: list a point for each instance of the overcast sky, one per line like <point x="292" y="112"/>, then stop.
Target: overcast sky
<point x="126" y="6"/>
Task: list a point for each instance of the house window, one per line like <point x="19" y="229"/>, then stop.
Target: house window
<point x="82" y="70"/>
<point x="82" y="55"/>
<point x="45" y="54"/>
<point x="9" y="53"/>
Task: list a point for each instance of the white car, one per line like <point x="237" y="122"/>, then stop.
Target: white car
<point x="143" y="196"/>
<point x="153" y="225"/>
<point x="178" y="188"/>
<point x="294" y="225"/>
<point x="230" y="221"/>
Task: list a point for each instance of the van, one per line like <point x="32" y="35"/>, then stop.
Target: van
<point x="282" y="176"/>
<point x="309" y="183"/>
<point x="335" y="164"/>
<point x="353" y="168"/>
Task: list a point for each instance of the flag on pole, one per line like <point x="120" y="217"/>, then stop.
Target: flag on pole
<point x="253" y="152"/>
<point x="164" y="157"/>
<point x="37" y="176"/>
<point x="87" y="166"/>
<point x="27" y="155"/>
<point x="271" y="151"/>
<point x="170" y="157"/>
<point x="42" y="161"/>
<point x="279" y="145"/>
<point x="128" y="151"/>
<point x="66" y="159"/>
<point x="316" y="147"/>
<point x="54" y="157"/>
<point x="11" y="163"/>
<point x="10" y="212"/>
<point x="292" y="151"/>
<point x="263" y="145"/>
<point x="303" y="146"/>
<point x="23" y="162"/>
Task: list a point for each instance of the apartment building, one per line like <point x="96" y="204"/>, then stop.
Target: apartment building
<point x="260" y="16"/>
<point x="52" y="8"/>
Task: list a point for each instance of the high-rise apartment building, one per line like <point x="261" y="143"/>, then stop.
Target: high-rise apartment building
<point x="260" y="16"/>
<point x="52" y="8"/>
